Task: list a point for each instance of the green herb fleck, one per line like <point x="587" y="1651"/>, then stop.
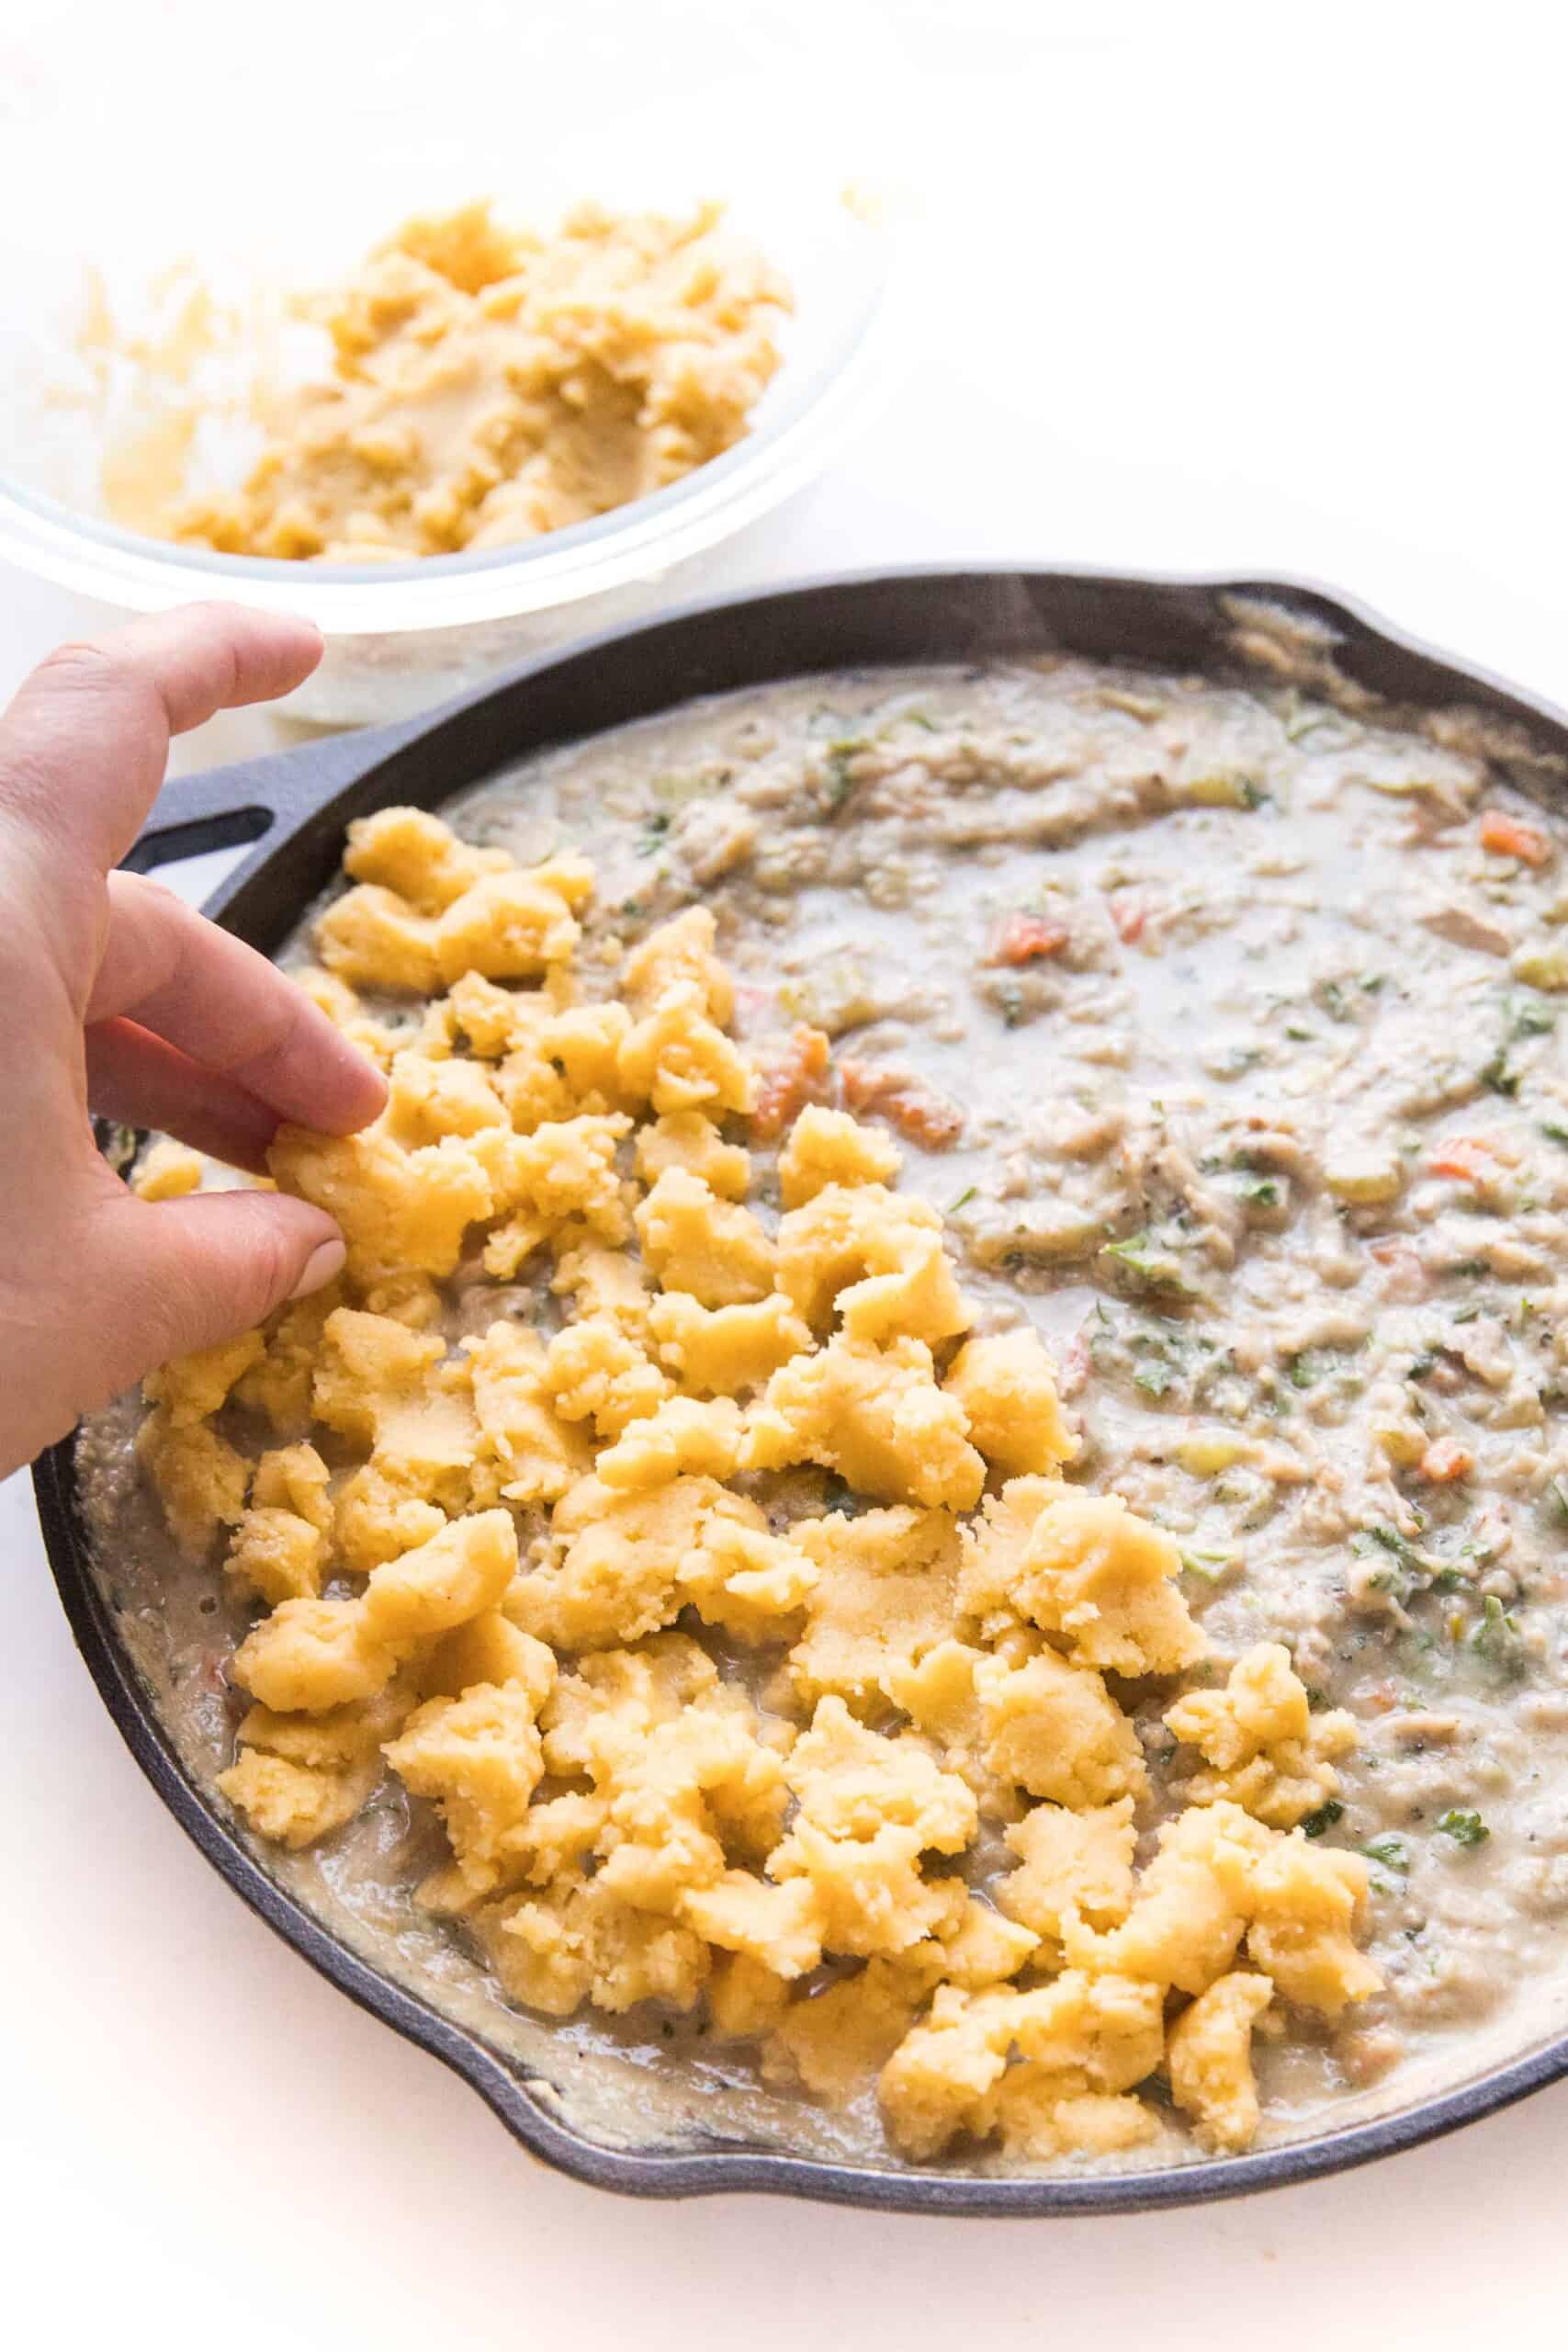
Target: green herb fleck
<point x="1531" y="1018"/>
<point x="1209" y="1564"/>
<point x="1236" y="1061"/>
<point x="1142" y="1257"/>
<point x="1390" y="1851"/>
<point x="1403" y="1551"/>
<point x="1498" y="1076"/>
<point x="1554" y="1130"/>
<point x="1262" y="1192"/>
<point x="966" y="1195"/>
<point x="1497" y="1639"/>
<point x="841" y="782"/>
<point x="1464" y="1828"/>
<point x="1328" y="1813"/>
<point x="657" y="825"/>
<point x="1154" y="1376"/>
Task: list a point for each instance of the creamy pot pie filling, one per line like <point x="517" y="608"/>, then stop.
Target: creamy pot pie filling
<point x="938" y="1450"/>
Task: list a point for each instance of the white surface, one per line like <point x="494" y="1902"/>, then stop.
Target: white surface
<point x="1202" y="295"/>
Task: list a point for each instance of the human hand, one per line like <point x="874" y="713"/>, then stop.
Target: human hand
<point x="118" y="998"/>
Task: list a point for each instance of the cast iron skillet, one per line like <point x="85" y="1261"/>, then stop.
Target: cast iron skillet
<point x="293" y="807"/>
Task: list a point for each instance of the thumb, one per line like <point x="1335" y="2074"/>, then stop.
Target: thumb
<point x="172" y="1276"/>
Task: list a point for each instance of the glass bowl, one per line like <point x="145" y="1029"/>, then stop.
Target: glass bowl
<point x="660" y="134"/>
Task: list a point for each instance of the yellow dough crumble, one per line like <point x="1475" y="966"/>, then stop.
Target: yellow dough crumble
<point x="488" y="385"/>
<point x="720" y="1585"/>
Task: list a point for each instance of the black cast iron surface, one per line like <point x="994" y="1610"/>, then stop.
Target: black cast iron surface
<point x="292" y="808"/>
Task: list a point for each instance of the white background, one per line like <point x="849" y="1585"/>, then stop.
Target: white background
<point x="1203" y="288"/>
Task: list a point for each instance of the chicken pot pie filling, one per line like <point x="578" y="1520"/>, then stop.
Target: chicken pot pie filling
<point x="847" y="1517"/>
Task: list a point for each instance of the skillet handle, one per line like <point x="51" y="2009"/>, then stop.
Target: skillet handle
<point x="255" y="800"/>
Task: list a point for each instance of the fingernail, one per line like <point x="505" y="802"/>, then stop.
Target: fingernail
<point x="325" y="1261"/>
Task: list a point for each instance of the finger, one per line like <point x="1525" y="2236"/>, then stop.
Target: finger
<point x="139" y="1081"/>
<point x="151" y="1281"/>
<point x="170" y="1276"/>
<point x="84" y="743"/>
<point x="168" y="969"/>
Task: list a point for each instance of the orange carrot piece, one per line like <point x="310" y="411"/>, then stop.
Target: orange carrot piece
<point x="1024" y="939"/>
<point x="1510" y="837"/>
<point x="792" y="1083"/>
<point x="925" y="1118"/>
<point x="1471" y="1157"/>
<point x="1446" y="1460"/>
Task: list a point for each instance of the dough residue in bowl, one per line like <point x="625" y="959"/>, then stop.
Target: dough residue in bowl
<point x="485" y="385"/>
